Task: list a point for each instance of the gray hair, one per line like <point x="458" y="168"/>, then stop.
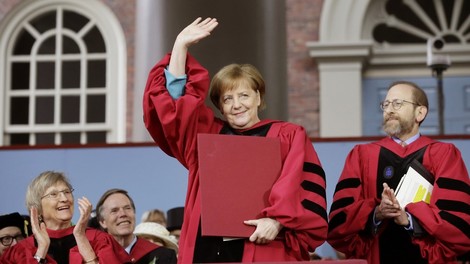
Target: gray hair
<point x="40" y="184"/>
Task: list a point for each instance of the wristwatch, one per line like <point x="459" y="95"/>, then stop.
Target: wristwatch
<point x="40" y="260"/>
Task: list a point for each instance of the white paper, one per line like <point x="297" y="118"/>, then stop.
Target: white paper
<point x="413" y="187"/>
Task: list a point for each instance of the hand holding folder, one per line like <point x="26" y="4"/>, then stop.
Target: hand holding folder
<point x="236" y="175"/>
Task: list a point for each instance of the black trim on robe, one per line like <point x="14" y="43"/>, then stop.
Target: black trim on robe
<point x="60" y="247"/>
<point x="394" y="241"/>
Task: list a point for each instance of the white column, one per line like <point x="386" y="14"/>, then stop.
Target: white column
<point x="340" y="69"/>
<point x="148" y="49"/>
<point x="340" y="102"/>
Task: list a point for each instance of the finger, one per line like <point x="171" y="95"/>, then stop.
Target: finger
<point x="85" y="203"/>
<point x="209" y="23"/>
<point x="394" y="199"/>
<point x="34" y="220"/>
<point x="85" y="210"/>
<point x="251" y="222"/>
<point x="206" y="21"/>
<point x="195" y="22"/>
<point x="385" y="202"/>
<point x="86" y="200"/>
<point x="212" y="26"/>
<point x="253" y="237"/>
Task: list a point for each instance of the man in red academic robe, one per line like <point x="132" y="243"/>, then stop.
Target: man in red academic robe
<point x="116" y="215"/>
<point x="366" y="219"/>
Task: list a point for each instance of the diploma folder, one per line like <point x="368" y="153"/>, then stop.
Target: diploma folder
<point x="416" y="185"/>
<point x="236" y="174"/>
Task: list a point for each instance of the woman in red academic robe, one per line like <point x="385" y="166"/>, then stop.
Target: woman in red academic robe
<point x="174" y="113"/>
<point x="55" y="239"/>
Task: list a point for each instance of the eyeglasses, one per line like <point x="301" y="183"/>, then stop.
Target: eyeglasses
<point x="54" y="195"/>
<point x="7" y="240"/>
<point x="396" y="104"/>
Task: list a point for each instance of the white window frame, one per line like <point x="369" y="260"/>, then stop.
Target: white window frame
<point x="116" y="67"/>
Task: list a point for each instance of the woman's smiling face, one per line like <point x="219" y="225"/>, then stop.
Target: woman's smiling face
<point x="239" y="106"/>
<point x="57" y="209"/>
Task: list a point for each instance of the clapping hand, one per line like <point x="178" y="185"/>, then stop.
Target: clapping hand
<point x="389" y="207"/>
<point x="85" y="207"/>
<point x="40" y="232"/>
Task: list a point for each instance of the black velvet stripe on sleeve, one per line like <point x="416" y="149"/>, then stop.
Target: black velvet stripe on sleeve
<point x="347" y="183"/>
<point x="456" y="221"/>
<point x="314" y="168"/>
<point x="341" y="203"/>
<point x="316" y="208"/>
<point x="336" y="220"/>
<point x="313" y="187"/>
<point x="451" y="205"/>
<point x="453" y="184"/>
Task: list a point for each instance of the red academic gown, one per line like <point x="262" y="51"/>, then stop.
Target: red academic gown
<point x="145" y="251"/>
<point x="297" y="199"/>
<point x="445" y="220"/>
<point x="105" y="246"/>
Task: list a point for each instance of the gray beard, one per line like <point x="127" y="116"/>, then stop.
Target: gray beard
<point x="397" y="130"/>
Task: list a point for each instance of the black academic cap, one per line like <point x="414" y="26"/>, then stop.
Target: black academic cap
<point x="174" y="218"/>
<point x="13" y="219"/>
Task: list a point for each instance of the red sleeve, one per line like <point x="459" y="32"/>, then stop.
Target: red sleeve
<point x="351" y="207"/>
<point x="22" y="252"/>
<point x="174" y="124"/>
<point x="297" y="199"/>
<point x="106" y="248"/>
<point x="447" y="218"/>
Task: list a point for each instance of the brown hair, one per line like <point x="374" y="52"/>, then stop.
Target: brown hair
<point x="233" y="75"/>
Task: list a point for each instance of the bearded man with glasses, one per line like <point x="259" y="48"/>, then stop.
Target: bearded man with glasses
<point x="366" y="220"/>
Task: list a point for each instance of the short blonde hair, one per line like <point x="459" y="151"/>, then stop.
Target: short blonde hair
<point x="155" y="215"/>
<point x="40" y="184"/>
<point x="233" y="75"/>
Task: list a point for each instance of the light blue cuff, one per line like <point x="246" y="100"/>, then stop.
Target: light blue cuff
<point x="376" y="223"/>
<point x="410" y="219"/>
<point x="175" y="85"/>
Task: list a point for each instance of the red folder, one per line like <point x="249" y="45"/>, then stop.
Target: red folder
<point x="236" y="176"/>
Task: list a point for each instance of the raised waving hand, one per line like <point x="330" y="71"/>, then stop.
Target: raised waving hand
<point x="190" y="35"/>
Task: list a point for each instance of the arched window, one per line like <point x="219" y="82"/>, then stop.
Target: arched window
<point x="60" y="84"/>
<point x="418" y="21"/>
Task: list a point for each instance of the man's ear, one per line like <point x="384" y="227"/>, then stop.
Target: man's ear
<point x="422" y="111"/>
<point x="102" y="224"/>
